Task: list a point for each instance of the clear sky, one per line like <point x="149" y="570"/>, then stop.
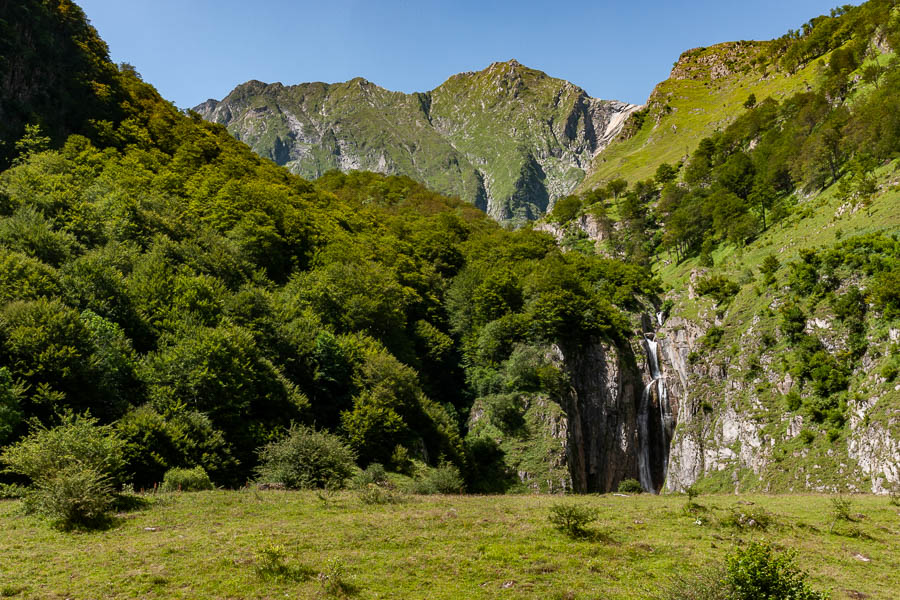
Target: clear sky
<point x="192" y="50"/>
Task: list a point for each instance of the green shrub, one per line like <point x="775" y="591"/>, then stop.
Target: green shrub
<point x="807" y="436"/>
<point x="719" y="288"/>
<point x="889" y="370"/>
<point x="630" y="486"/>
<point x="712" y="338"/>
<point x="76" y="495"/>
<point x="374" y="474"/>
<point x="440" y="480"/>
<point x="186" y="480"/>
<point x="12" y="491"/>
<point x="748" y="518"/>
<point x="306" y="458"/>
<point x="10" y="409"/>
<point x="380" y="494"/>
<point x="757" y="572"/>
<point x="572" y="519"/>
<point x="271" y="564"/>
<point x="793" y="401"/>
<point x="74" y="469"/>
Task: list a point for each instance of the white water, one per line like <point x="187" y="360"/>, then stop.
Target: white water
<point x="644" y="436"/>
<point x="665" y="413"/>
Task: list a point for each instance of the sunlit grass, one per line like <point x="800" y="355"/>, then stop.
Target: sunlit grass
<point x="208" y="544"/>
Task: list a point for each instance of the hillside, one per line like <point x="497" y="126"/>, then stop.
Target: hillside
<point x="710" y="86"/>
<point x="509" y="139"/>
<point x="705" y="92"/>
<point x="730" y="323"/>
<point x="775" y="238"/>
<point x="163" y="285"/>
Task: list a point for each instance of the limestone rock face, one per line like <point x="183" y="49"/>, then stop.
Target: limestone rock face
<point x="509" y="139"/>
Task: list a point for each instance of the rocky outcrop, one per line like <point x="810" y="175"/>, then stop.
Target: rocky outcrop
<point x="619" y="415"/>
<point x="509" y="139"/>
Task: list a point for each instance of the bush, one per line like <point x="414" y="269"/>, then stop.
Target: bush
<point x="572" y="519"/>
<point x="74" y="469"/>
<point x="305" y="459"/>
<point x="374" y="474"/>
<point x="76" y="495"/>
<point x="719" y="288"/>
<point x="757" y="571"/>
<point x="630" y="486"/>
<point x="186" y="480"/>
<point x="440" y="480"/>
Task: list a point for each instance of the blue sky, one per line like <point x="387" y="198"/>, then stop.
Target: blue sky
<point x="192" y="50"/>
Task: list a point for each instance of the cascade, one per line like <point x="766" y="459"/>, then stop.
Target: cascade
<point x="643" y="419"/>
<point x="666" y="418"/>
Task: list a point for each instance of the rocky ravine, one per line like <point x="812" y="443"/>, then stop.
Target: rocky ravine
<point x="509" y="139"/>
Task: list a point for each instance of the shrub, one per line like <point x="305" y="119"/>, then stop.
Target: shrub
<point x="271" y="563"/>
<point x="894" y="496"/>
<point x="757" y="571"/>
<point x="572" y="519"/>
<point x="719" y="288"/>
<point x="12" y="491"/>
<point x="377" y="494"/>
<point x="440" y="480"/>
<point x="186" y="480"/>
<point x="840" y="509"/>
<point x="10" y="410"/>
<point x="750" y="518"/>
<point x="374" y="474"/>
<point x="793" y="401"/>
<point x="306" y="458"/>
<point x="74" y="469"/>
<point x="630" y="486"/>
<point x="75" y="495"/>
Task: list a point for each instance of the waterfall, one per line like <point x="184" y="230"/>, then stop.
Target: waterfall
<point x="665" y="415"/>
<point x="643" y="419"/>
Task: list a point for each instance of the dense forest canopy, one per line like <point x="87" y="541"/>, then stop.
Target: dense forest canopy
<point x="160" y="277"/>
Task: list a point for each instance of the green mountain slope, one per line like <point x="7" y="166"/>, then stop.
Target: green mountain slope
<point x="197" y="299"/>
<point x="509" y="139"/>
<point x="775" y="233"/>
<point x="706" y="90"/>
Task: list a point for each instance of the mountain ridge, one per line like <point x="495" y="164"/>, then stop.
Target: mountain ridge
<point x="509" y="139"/>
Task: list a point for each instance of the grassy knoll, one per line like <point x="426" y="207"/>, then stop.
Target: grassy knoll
<point x="209" y="544"/>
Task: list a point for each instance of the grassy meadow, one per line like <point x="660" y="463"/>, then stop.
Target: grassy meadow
<point x="277" y="544"/>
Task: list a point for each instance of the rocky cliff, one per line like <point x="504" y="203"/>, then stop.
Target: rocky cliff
<point x="509" y="139"/>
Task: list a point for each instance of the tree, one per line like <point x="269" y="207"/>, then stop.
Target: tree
<point x="750" y="102"/>
<point x="769" y="267"/>
<point x="665" y="173"/>
<point x="872" y="74"/>
<point x="565" y="209"/>
<point x="10" y="406"/>
<point x="616" y="187"/>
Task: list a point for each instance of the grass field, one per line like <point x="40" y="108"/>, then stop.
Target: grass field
<point x="211" y="545"/>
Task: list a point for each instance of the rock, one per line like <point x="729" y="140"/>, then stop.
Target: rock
<point x="270" y="486"/>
